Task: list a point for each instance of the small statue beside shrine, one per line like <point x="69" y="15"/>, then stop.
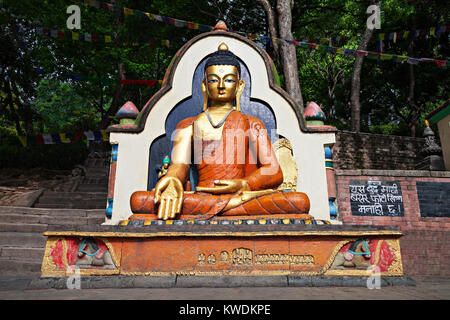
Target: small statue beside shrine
<point x="162" y="170"/>
<point x="238" y="171"/>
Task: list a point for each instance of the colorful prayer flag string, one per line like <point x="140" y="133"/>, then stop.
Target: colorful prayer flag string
<point x="100" y="135"/>
<point x="133" y="12"/>
<point x="409" y="34"/>
<point x="87" y="37"/>
<point x="369" y="54"/>
<point x="78" y="77"/>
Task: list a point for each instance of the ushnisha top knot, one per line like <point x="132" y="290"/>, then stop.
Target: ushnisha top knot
<point x="222" y="57"/>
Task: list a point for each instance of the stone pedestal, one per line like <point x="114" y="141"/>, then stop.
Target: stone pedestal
<point x="223" y="250"/>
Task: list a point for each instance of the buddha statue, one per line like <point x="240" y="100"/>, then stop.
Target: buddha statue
<point x="238" y="171"/>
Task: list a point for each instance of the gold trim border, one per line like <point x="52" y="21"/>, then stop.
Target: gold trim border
<point x="220" y="234"/>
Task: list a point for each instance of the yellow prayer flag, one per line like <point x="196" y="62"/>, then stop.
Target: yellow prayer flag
<point x="75" y="36"/>
<point x="402" y="58"/>
<point x="340" y="50"/>
<point x="63" y="138"/>
<point x="107" y="38"/>
<point x="104" y="135"/>
<point x="381" y="36"/>
<point x="23" y="140"/>
<point x="150" y="16"/>
<point x="432" y="31"/>
<point x="127" y="11"/>
<point x="406" y="34"/>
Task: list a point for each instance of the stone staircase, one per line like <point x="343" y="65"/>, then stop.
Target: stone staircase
<point x="22" y="243"/>
<point x="88" y="191"/>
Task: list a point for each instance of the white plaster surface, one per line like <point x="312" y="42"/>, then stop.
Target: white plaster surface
<point x="133" y="148"/>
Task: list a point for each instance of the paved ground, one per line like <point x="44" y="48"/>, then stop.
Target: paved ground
<point x="425" y="289"/>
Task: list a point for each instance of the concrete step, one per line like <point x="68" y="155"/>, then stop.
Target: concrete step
<point x="72" y="202"/>
<point x="24" y="254"/>
<point x="80" y="205"/>
<point x="49" y="212"/>
<point x="79" y="195"/>
<point x="97" y="162"/>
<point x="22" y="239"/>
<point x="93" y="187"/>
<point x="96" y="180"/>
<point x="7" y="210"/>
<point x="23" y="227"/>
<point x="97" y="172"/>
<point x="62" y="219"/>
<point x="15" y="267"/>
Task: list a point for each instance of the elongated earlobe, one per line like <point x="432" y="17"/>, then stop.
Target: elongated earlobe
<point x="205" y="96"/>
<point x="239" y="94"/>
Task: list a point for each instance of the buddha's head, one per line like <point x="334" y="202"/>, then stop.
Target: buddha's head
<point x="222" y="83"/>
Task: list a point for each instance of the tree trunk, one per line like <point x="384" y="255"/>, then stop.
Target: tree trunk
<point x="412" y="84"/>
<point x="115" y="103"/>
<point x="356" y="82"/>
<point x="271" y="21"/>
<point x="288" y="51"/>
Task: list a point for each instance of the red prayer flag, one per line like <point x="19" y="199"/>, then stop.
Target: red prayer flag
<point x="39" y="139"/>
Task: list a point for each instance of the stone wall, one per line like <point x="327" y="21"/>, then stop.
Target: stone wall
<point x="425" y="244"/>
<point x="376" y="151"/>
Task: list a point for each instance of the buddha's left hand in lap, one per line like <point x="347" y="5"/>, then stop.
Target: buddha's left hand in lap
<point x="226" y="186"/>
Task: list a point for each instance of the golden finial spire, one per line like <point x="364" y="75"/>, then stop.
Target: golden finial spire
<point x="223" y="46"/>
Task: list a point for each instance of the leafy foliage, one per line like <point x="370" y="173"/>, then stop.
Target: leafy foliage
<point x="34" y="102"/>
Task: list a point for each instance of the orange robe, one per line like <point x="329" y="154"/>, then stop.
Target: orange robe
<point x="244" y="152"/>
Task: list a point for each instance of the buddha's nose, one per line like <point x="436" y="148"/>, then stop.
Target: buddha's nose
<point x="221" y="83"/>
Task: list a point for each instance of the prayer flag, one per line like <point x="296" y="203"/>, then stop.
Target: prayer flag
<point x="192" y="25"/>
<point x="361" y="53"/>
<point x="78" y="135"/>
<point x="440" y="63"/>
<point x="55" y="138"/>
<point x="127" y="11"/>
<point x="39" y="139"/>
<point x="47" y="138"/>
<point x="98" y="136"/>
<point x="180" y="23"/>
<point x="104" y="135"/>
<point x="413" y="60"/>
<point x="89" y="135"/>
<point x="63" y="138"/>
<point x="75" y="36"/>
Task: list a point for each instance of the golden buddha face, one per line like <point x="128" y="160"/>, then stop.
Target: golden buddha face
<point x="222" y="83"/>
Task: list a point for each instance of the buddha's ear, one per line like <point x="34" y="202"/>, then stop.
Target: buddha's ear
<point x="240" y="90"/>
<point x="205" y="95"/>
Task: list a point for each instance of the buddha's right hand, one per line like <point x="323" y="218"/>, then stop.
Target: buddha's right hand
<point x="169" y="194"/>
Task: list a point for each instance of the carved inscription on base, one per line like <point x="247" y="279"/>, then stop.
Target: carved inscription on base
<point x="244" y="257"/>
